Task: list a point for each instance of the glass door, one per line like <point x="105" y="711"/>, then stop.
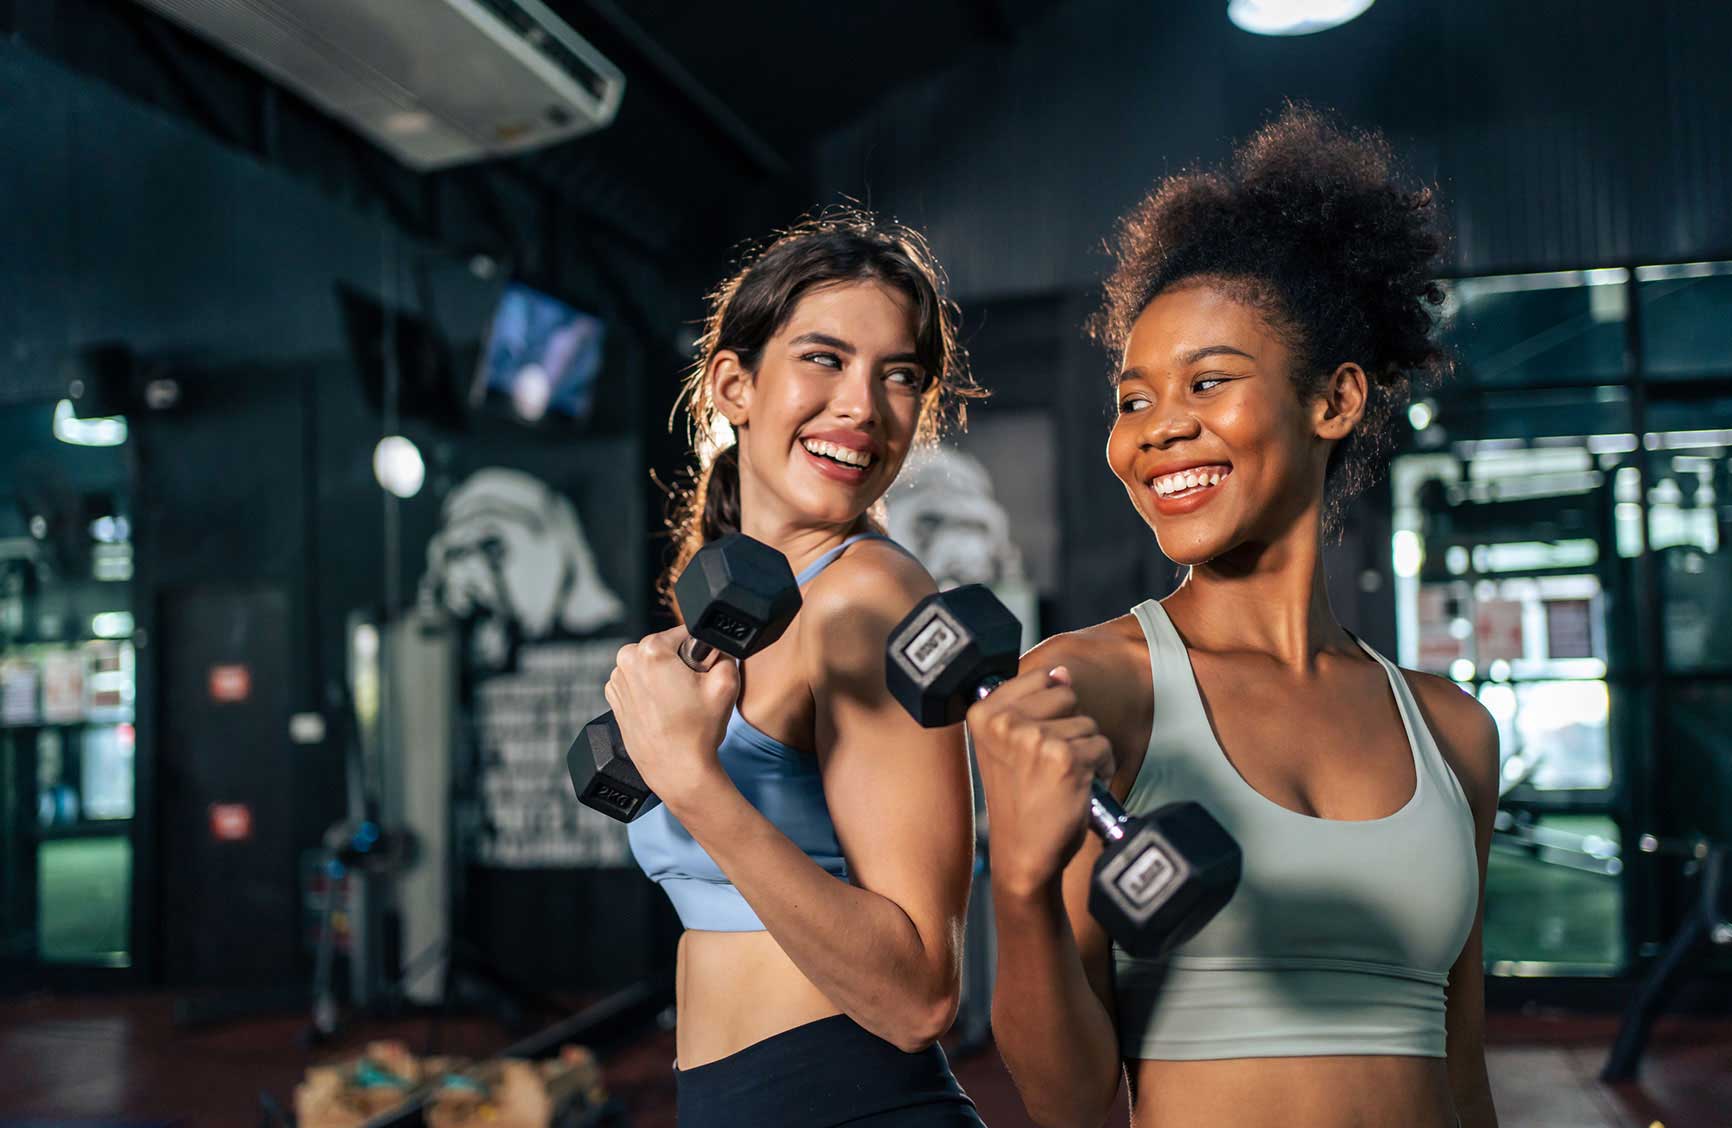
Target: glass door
<point x="67" y="704"/>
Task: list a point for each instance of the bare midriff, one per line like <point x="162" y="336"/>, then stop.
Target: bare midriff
<point x="1293" y="1092"/>
<point x="737" y="988"/>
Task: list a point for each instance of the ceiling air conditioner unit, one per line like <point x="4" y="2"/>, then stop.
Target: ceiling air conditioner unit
<point x="435" y="82"/>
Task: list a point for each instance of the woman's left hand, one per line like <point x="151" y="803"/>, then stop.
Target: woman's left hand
<point x="671" y="716"/>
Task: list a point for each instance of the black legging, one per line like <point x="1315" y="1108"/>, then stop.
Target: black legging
<point x="825" y="1073"/>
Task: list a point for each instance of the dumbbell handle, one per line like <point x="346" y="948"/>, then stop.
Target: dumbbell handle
<point x="1107" y="816"/>
<point x="695" y="654"/>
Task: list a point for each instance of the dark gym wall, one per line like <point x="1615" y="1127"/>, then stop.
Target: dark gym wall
<point x="142" y="227"/>
<point x="1563" y="134"/>
<point x="134" y="227"/>
<point x="293" y="508"/>
<point x="227" y="920"/>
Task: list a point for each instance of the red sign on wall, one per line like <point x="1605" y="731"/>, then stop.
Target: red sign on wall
<point x="230" y="683"/>
<point x="231" y="822"/>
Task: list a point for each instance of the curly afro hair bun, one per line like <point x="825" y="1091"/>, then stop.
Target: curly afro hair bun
<point x="1308" y="224"/>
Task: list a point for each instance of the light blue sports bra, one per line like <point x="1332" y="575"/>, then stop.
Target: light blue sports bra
<point x="782" y="782"/>
<point x="1342" y="933"/>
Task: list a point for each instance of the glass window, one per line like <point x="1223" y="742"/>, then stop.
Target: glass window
<point x="1686" y="319"/>
<point x="1553" y="902"/>
<point x="1695" y="761"/>
<point x="67" y="687"/>
<point x="1501" y="585"/>
<point x="85" y="886"/>
<point x="1539" y="328"/>
<point x="106" y="774"/>
<point x="1689" y="521"/>
<point x="1475" y="423"/>
<point x="1528" y="490"/>
<point x="1551" y="735"/>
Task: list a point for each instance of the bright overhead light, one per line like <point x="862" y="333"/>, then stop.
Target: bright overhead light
<point x="112" y="624"/>
<point x="1293" y="17"/>
<point x="107" y="430"/>
<point x="1408" y="551"/>
<point x="530" y="392"/>
<point x="398" y="466"/>
<point x="406" y="123"/>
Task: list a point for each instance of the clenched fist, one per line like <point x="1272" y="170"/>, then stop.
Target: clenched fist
<point x="1037" y="756"/>
<point x="672" y="717"/>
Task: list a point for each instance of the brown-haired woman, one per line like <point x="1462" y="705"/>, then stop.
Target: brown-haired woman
<point x="816" y="842"/>
<point x="1268" y="321"/>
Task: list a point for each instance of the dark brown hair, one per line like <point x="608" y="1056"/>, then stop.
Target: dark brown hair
<point x="841" y="245"/>
<point x="1308" y="225"/>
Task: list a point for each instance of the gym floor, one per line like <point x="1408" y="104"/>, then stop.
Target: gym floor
<point x="119" y="1060"/>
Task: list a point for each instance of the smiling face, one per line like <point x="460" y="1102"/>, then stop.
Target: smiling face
<point x="1212" y="442"/>
<point x="828" y="417"/>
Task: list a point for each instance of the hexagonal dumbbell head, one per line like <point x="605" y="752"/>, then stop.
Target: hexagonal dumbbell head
<point x="953" y="644"/>
<point x="1159" y="884"/>
<point x="1160" y="878"/>
<point x="737" y="595"/>
<point x="611" y="783"/>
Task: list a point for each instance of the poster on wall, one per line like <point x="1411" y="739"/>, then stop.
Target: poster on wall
<point x="1497" y="630"/>
<point x="944" y="511"/>
<point x="511" y="561"/>
<point x="62" y="686"/>
<point x="1441" y="640"/>
<point x="19" y="681"/>
<point x="524" y="722"/>
<point x="1569" y="628"/>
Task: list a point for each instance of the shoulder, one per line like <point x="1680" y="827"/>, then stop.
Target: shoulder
<point x="1102" y="650"/>
<point x="869" y="579"/>
<point x="1464" y="731"/>
<point x="849" y="609"/>
<point x="1115" y="650"/>
<point x="1109" y="668"/>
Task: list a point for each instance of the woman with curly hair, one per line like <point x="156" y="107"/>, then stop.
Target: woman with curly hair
<point x="816" y="842"/>
<point x="1269" y="321"/>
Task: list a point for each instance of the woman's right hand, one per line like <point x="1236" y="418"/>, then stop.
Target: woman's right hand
<point x="1037" y="757"/>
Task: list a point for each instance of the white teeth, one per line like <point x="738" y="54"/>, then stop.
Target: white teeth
<point x="1183" y="480"/>
<point x="842" y="454"/>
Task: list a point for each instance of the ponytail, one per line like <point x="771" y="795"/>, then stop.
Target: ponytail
<point x="706" y="510"/>
<point x="721" y="496"/>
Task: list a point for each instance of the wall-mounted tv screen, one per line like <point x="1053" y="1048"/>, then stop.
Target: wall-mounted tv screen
<point x="541" y="357"/>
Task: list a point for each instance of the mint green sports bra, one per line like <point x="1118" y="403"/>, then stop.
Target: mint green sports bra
<point x="1342" y="933"/>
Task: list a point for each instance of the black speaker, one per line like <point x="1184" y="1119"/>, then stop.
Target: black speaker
<point x="100" y="379"/>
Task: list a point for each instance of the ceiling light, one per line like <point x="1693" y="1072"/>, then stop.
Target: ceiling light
<point x="1293" y="17"/>
<point x="106" y="430"/>
<point x="398" y="466"/>
<point x="1408" y="552"/>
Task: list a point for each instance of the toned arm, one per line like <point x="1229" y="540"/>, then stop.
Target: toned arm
<point x="1053" y="1015"/>
<point x="885" y="947"/>
<point x="1468" y="739"/>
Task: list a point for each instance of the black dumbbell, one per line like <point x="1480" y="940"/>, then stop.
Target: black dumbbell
<point x="1162" y="876"/>
<point x="737" y="596"/>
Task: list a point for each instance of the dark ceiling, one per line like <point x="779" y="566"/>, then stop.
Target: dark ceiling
<point x="723" y="101"/>
<point x="722" y="104"/>
<point x="790" y="69"/>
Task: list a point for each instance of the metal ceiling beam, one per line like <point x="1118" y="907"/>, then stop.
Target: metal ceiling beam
<point x="671" y="71"/>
